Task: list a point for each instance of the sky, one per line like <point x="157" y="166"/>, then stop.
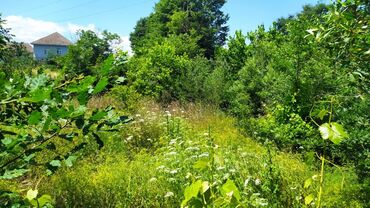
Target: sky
<point x="30" y="20"/>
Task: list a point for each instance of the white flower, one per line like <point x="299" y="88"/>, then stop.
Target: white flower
<point x="192" y="149"/>
<point x="171" y="153"/>
<point x="161" y="167"/>
<point x="247" y="181"/>
<point x="173" y="171"/>
<point x="257" y="181"/>
<point x="220" y="168"/>
<point x="206" y="154"/>
<point x="129" y="138"/>
<point x="153" y="180"/>
<point x="169" y="194"/>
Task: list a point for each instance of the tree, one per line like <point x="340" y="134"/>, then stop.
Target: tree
<point x="201" y="19"/>
<point x="89" y="51"/>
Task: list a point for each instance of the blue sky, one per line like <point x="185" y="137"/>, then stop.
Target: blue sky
<point x="34" y="19"/>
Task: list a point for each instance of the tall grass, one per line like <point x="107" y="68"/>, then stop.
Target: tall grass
<point x="152" y="161"/>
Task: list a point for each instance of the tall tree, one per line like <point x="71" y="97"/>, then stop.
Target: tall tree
<point x="202" y="19"/>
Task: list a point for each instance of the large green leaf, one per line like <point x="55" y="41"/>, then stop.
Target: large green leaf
<point x="10" y="174"/>
<point x="31" y="194"/>
<point x="83" y="86"/>
<point x="98" y="115"/>
<point x="100" y="86"/>
<point x="34" y="118"/>
<point x="229" y="189"/>
<point x="191" y="191"/>
<point x="333" y="131"/>
<point x="38" y="95"/>
<point x="308" y="199"/>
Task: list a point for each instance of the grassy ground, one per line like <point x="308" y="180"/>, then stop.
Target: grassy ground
<point x="164" y="150"/>
<point x="151" y="162"/>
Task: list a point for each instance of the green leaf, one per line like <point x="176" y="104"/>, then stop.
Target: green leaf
<point x="191" y="191"/>
<point x="325" y="131"/>
<point x="80" y="111"/>
<point x="307" y="183"/>
<point x="38" y="95"/>
<point x="98" y="115"/>
<point x="7" y="141"/>
<point x="31" y="194"/>
<point x="308" y="199"/>
<point x="34" y="118"/>
<point x="334" y="132"/>
<point x="100" y="86"/>
<point x="70" y="160"/>
<point x="83" y="98"/>
<point x="230" y="189"/>
<point x="46" y="124"/>
<point x="205" y="187"/>
<point x="322" y="114"/>
<point x="55" y="163"/>
<point x="44" y="199"/>
<point x="201" y="164"/>
<point x="83" y="86"/>
<point x="339" y="134"/>
<point x="10" y="174"/>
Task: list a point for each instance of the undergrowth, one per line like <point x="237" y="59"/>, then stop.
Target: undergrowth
<point x="164" y="151"/>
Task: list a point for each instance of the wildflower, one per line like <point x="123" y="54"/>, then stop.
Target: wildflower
<point x="173" y="171"/>
<point x="171" y="153"/>
<point x="247" y="181"/>
<point x="192" y="149"/>
<point x="169" y="194"/>
<point x="161" y="167"/>
<point x="129" y="138"/>
<point x="153" y="180"/>
<point x="220" y="168"/>
<point x="262" y="202"/>
<point x="206" y="154"/>
<point x="257" y="182"/>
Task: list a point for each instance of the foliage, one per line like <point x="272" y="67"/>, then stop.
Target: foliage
<point x="202" y="20"/>
<point x="87" y="52"/>
<point x="40" y="117"/>
<point x="186" y="162"/>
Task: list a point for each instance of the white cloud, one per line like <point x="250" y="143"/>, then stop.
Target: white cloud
<point x="28" y="30"/>
<point x="123" y="44"/>
<point x="73" y="28"/>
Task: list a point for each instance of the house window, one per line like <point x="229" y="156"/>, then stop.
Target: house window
<point x="59" y="51"/>
<point x="45" y="51"/>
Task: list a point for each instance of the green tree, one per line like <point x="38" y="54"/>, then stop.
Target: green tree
<point x="201" y="19"/>
<point x="89" y="51"/>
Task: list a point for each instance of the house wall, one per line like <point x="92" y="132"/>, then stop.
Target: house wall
<point x="43" y="51"/>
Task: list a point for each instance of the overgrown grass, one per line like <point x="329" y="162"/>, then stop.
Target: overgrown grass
<point x="153" y="160"/>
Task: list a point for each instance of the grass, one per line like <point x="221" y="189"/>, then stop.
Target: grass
<point x="151" y="162"/>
